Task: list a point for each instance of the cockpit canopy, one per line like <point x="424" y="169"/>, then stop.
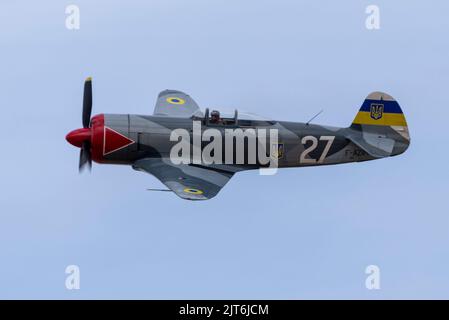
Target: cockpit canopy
<point x="218" y="118"/>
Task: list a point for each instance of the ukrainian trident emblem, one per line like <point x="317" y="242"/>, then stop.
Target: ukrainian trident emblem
<point x="377" y="110"/>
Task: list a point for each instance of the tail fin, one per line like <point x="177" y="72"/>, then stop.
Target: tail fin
<point x="380" y="109"/>
<point x="380" y="127"/>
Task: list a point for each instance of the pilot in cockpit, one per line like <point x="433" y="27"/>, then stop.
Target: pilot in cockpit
<point x="215" y="117"/>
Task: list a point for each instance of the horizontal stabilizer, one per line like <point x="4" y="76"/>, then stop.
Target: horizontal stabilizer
<point x="377" y="146"/>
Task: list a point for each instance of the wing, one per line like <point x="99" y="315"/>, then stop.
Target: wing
<point x="189" y="182"/>
<point x="174" y="103"/>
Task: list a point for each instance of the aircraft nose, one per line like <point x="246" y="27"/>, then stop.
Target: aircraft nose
<point x="78" y="136"/>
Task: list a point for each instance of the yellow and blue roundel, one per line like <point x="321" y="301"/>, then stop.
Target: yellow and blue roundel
<point x="193" y="191"/>
<point x="175" y="100"/>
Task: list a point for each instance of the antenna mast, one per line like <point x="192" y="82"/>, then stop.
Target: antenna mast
<point x="307" y="123"/>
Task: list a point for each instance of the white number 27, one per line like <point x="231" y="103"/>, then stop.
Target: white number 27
<point x="314" y="141"/>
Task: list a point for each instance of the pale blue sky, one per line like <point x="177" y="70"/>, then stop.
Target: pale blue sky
<point x="303" y="233"/>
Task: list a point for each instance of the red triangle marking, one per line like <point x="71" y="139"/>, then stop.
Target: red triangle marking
<point x="114" y="141"/>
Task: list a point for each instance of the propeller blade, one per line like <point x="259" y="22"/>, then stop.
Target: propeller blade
<point x="87" y="102"/>
<point x="85" y="156"/>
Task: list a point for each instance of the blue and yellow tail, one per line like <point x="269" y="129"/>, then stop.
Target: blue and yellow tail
<point x="380" y="127"/>
<point x="380" y="109"/>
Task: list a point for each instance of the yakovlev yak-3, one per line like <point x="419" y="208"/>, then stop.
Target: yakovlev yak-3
<point x="195" y="153"/>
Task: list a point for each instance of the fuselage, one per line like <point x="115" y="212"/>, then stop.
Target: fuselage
<point x="126" y="138"/>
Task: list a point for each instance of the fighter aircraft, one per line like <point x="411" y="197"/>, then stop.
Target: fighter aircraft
<point x="146" y="142"/>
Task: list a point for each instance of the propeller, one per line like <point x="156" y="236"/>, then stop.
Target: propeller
<point x="81" y="138"/>
<point x="85" y="156"/>
<point x="87" y="102"/>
